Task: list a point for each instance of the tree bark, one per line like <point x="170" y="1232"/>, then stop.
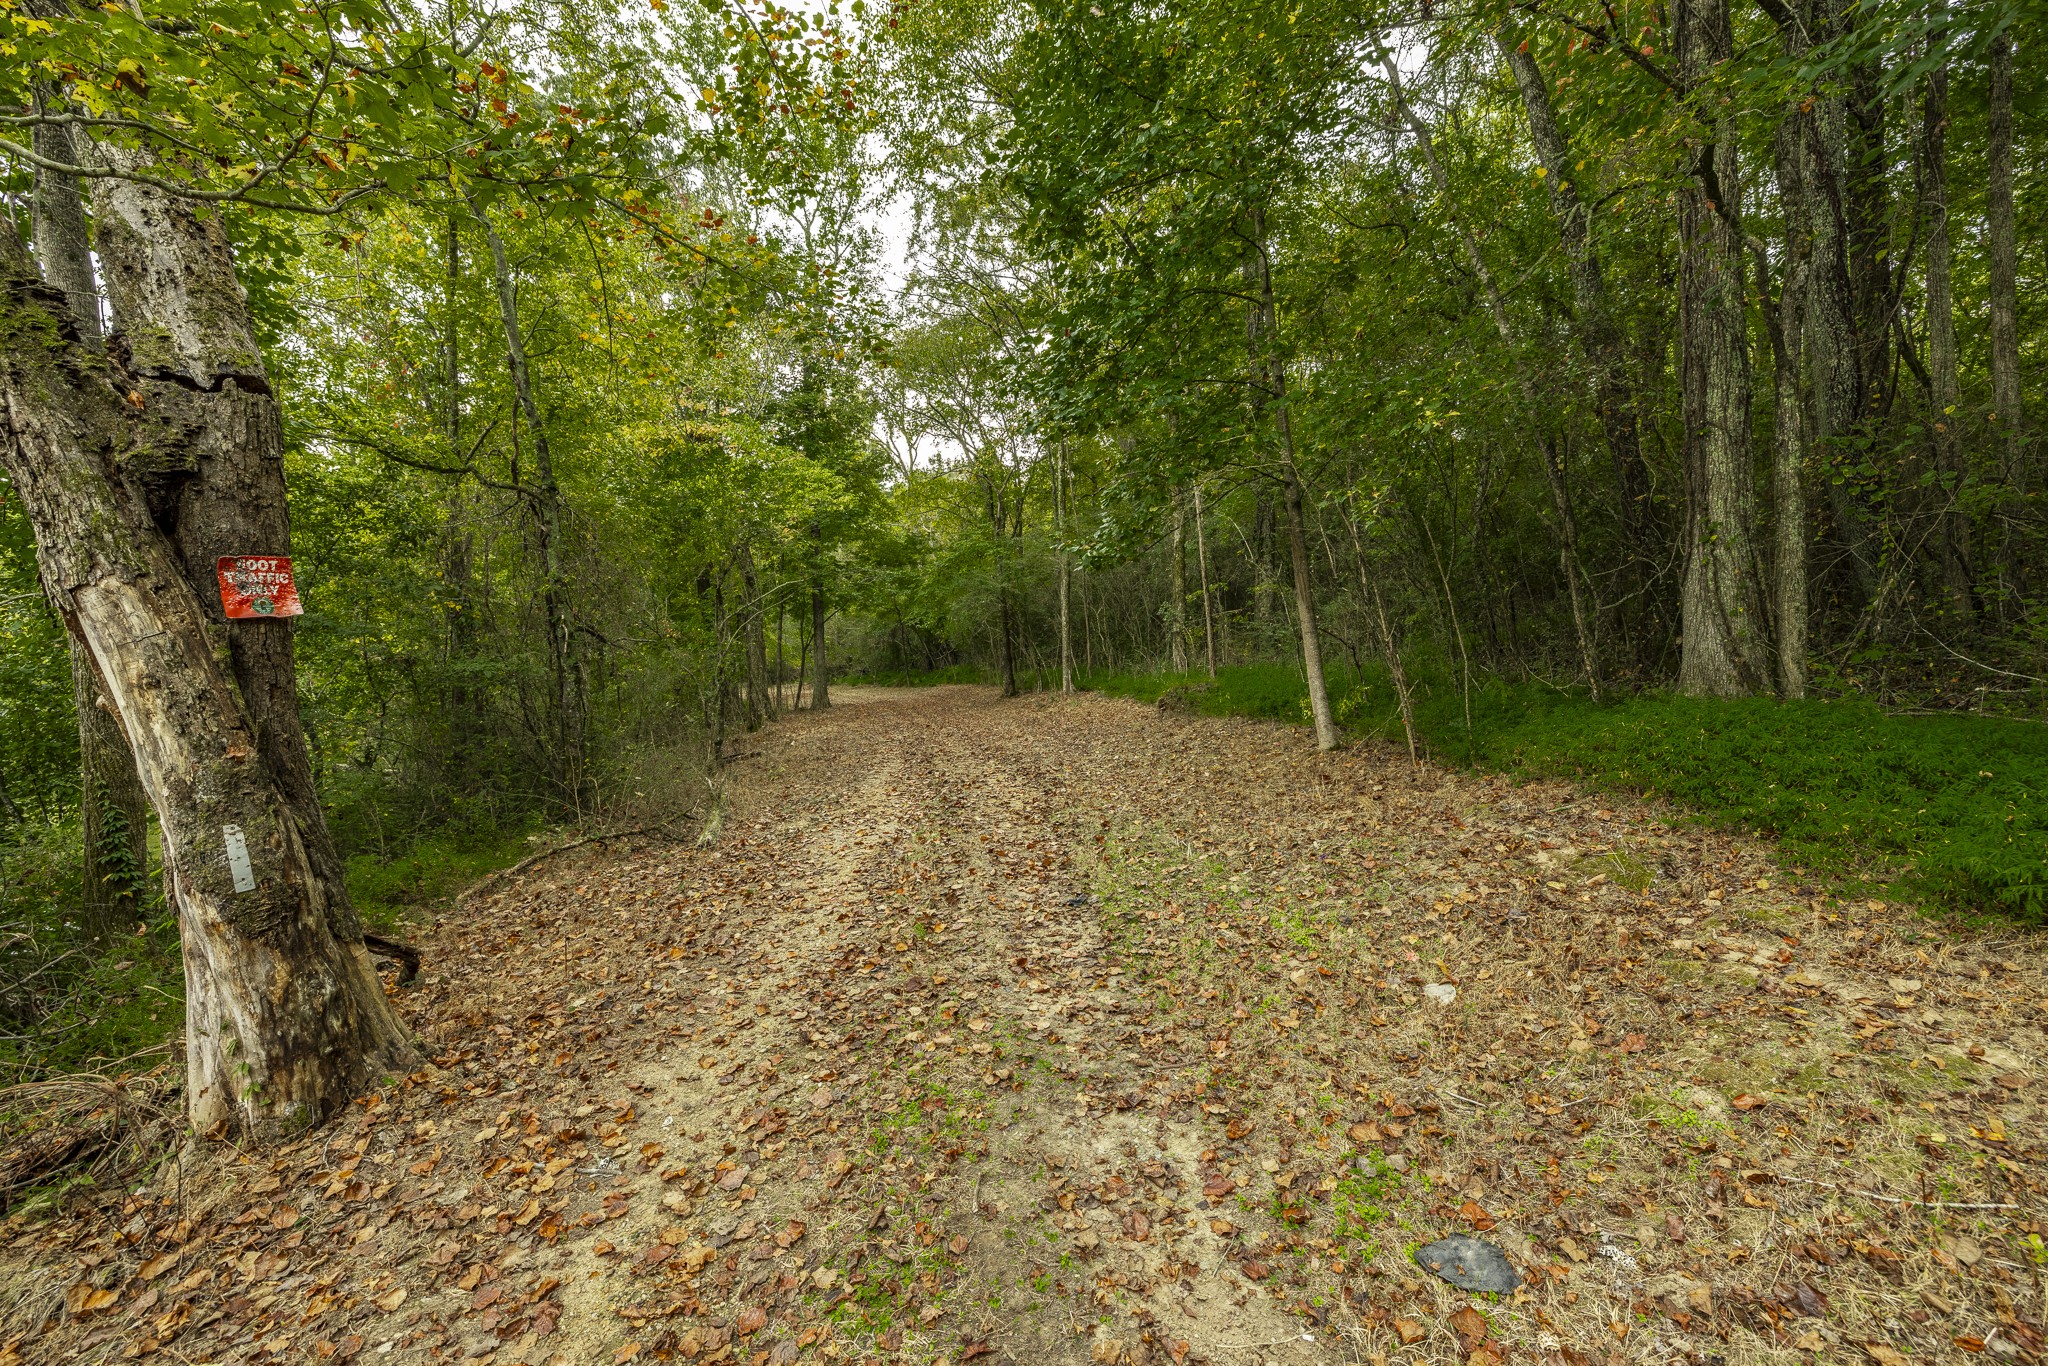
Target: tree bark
<point x="1944" y="388"/>
<point x="458" y="558"/>
<point x="215" y="463"/>
<point x="1722" y="620"/>
<point x="544" y="497"/>
<point x="821" y="695"/>
<point x="1829" y="329"/>
<point x="1177" y="585"/>
<point x="284" y="1023"/>
<point x="1059" y="504"/>
<point x="113" y="812"/>
<point x="1202" y="564"/>
<point x="1789" y="421"/>
<point x="760" y="705"/>
<point x="2007" y="410"/>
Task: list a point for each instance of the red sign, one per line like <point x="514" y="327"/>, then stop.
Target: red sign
<point x="258" y="586"/>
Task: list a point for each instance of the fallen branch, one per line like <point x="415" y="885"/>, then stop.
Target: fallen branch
<point x="406" y="956"/>
<point x="106" y="1128"/>
<point x="1896" y="1199"/>
<point x="532" y="859"/>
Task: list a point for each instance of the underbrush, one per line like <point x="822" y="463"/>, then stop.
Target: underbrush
<point x="916" y="678"/>
<point x="1947" y="805"/>
<point x="394" y="894"/>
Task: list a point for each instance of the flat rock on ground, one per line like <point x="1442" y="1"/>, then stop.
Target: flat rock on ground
<point x="1059" y="1030"/>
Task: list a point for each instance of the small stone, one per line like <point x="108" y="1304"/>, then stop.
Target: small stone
<point x="1469" y="1263"/>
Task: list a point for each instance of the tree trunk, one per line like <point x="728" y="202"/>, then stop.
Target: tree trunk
<point x="760" y="706"/>
<point x="1829" y="329"/>
<point x="113" y="812"/>
<point x="1496" y="304"/>
<point x="458" y="551"/>
<point x="1177" y="585"/>
<point x="1265" y="582"/>
<point x="284" y="1023"/>
<point x="1722" y="650"/>
<point x="1202" y="564"/>
<point x="1390" y="649"/>
<point x="214" y="469"/>
<point x="1006" y="642"/>
<point x="1059" y="503"/>
<point x="1305" y="602"/>
<point x="2007" y="413"/>
<point x="821" y="695"/>
<point x="544" y="498"/>
<point x="1944" y="389"/>
<point x="1264" y="325"/>
<point x="1598" y="335"/>
<point x="1789" y="424"/>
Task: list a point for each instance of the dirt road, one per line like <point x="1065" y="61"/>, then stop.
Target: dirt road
<point x="1058" y="1030"/>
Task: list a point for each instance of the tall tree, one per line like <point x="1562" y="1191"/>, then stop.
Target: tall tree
<point x="1723" y="645"/>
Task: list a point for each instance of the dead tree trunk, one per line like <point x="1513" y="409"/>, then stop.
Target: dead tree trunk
<point x="284" y="1023"/>
<point x="215" y="471"/>
<point x="113" y="812"/>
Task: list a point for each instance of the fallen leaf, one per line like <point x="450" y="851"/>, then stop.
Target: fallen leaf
<point x="751" y="1321"/>
<point x="1471" y="1327"/>
<point x="1964" y="1249"/>
<point x="87" y="1298"/>
<point x="1884" y="1354"/>
<point x="1410" y="1331"/>
<point x="157" y="1266"/>
<point x="959" y="1245"/>
<point x="1746" y="1101"/>
<point x="390" y="1302"/>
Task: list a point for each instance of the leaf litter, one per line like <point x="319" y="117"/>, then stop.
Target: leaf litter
<point x="1059" y="1030"/>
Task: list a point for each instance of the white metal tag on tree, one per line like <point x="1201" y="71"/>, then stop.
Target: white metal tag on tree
<point x="238" y="858"/>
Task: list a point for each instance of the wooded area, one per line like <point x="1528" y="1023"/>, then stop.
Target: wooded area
<point x="618" y="377"/>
